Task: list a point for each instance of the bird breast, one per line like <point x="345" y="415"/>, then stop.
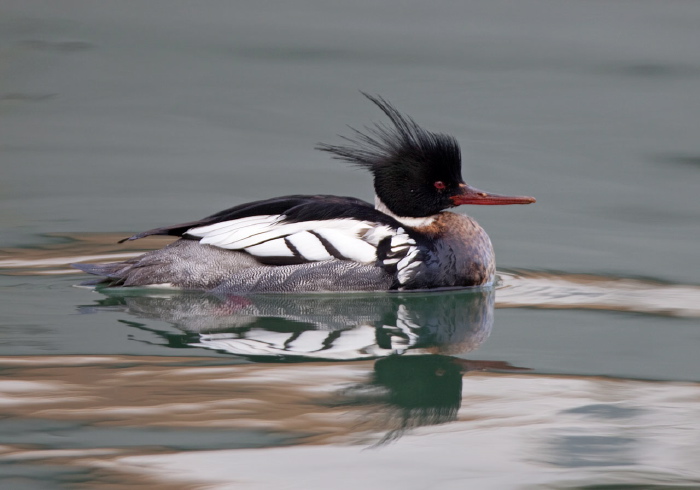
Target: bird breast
<point x="458" y="253"/>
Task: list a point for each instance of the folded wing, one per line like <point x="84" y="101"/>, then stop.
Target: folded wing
<point x="300" y="229"/>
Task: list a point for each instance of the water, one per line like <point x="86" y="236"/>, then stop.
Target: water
<point x="579" y="371"/>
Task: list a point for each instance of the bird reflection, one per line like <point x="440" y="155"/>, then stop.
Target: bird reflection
<point x="320" y="327"/>
<point x="413" y="337"/>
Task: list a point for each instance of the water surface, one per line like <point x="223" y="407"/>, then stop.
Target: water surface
<point x="579" y="370"/>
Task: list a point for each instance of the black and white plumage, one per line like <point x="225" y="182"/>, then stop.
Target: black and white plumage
<point x="330" y="243"/>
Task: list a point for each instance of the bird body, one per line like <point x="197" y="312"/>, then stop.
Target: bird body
<point x="405" y="241"/>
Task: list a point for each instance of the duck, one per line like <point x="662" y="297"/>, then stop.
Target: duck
<point x="407" y="240"/>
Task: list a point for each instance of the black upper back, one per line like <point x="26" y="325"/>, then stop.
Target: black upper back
<point x="295" y="208"/>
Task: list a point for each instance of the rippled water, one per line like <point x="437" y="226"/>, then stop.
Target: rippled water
<point x="579" y="370"/>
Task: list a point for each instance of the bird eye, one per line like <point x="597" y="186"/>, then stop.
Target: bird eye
<point x="439" y="185"/>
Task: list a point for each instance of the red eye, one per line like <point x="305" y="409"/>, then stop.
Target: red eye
<point x="439" y="185"/>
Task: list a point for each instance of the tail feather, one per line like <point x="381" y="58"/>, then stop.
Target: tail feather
<point x="107" y="270"/>
<point x="112" y="274"/>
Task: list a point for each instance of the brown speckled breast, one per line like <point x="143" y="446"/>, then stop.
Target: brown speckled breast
<point x="458" y="252"/>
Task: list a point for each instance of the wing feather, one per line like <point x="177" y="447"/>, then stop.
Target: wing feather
<point x="309" y="246"/>
<point x="266" y="236"/>
<point x="297" y="229"/>
<point x="271" y="248"/>
<point x="354" y="249"/>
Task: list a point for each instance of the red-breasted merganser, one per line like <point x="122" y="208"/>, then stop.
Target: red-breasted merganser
<point x="406" y="241"/>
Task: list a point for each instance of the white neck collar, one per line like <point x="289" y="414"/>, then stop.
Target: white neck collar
<point x="404" y="220"/>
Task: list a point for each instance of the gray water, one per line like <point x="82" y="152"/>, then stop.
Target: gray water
<point x="118" y="117"/>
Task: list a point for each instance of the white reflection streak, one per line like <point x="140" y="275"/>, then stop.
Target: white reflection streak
<point x="65" y="260"/>
<point x="596" y="292"/>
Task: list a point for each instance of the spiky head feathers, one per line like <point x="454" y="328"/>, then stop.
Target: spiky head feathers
<point x="415" y="170"/>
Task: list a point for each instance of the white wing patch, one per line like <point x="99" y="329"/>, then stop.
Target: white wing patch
<point x="228" y="234"/>
<point x="355" y="250"/>
<point x="317" y="240"/>
<point x="309" y="246"/>
<point x="272" y="248"/>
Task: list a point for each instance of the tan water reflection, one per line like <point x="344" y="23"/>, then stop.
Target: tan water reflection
<point x="538" y="430"/>
<point x="55" y="258"/>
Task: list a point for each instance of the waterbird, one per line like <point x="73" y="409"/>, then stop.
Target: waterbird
<point x="406" y="241"/>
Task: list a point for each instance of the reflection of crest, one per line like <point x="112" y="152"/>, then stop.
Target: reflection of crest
<point x="409" y="392"/>
<point x="332" y="327"/>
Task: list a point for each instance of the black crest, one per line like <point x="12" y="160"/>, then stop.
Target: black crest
<point x="406" y="161"/>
